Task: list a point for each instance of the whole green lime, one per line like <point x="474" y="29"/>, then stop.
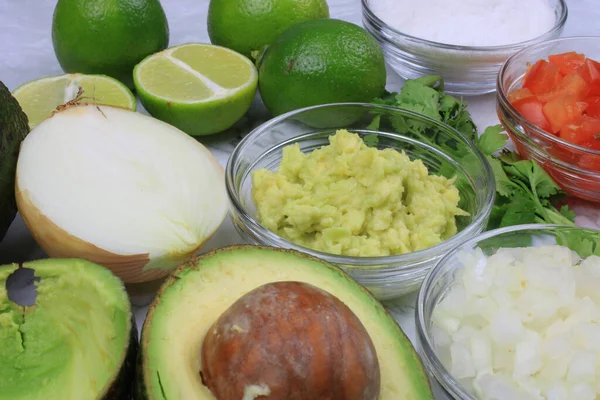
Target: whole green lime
<point x="320" y="62"/>
<point x="249" y="25"/>
<point x="108" y="36"/>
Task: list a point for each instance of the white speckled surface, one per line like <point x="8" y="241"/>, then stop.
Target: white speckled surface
<point x="26" y="53"/>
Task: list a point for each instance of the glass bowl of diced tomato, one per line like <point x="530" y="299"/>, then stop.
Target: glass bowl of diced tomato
<point x="548" y="100"/>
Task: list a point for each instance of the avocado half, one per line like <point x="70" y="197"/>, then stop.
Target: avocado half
<point x="78" y="342"/>
<point x="14" y="126"/>
<point x="198" y="292"/>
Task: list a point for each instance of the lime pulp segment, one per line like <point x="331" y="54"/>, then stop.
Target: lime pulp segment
<point x="195" y="73"/>
<point x="39" y="98"/>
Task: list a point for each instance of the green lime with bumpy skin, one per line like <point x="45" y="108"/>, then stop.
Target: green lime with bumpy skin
<point x="320" y="62"/>
<point x="199" y="88"/>
<point x="107" y="37"/>
<point x="249" y="25"/>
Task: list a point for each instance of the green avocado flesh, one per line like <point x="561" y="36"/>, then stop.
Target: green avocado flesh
<point x="197" y="293"/>
<point x="72" y="343"/>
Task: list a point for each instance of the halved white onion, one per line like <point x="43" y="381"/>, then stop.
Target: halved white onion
<point x="120" y="189"/>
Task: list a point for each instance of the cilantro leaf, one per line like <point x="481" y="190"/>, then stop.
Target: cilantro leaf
<point x="567" y="213"/>
<point x="504" y="186"/>
<point x="521" y="210"/>
<point x="509" y="157"/>
<point x="492" y="140"/>
<point x="543" y="184"/>
<point x="374" y="125"/>
<point x="539" y="181"/>
<point x="371" y="140"/>
<point x="419" y="98"/>
<point x="525" y="192"/>
<point x="433" y="81"/>
<point x="585" y="243"/>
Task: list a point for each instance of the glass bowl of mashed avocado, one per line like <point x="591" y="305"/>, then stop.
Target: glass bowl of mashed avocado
<point x="382" y="192"/>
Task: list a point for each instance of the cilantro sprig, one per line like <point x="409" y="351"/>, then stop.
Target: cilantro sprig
<point x="525" y="193"/>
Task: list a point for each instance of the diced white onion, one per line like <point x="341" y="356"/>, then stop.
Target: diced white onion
<point x="523" y="324"/>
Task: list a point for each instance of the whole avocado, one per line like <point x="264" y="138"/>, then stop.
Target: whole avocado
<point x="320" y="62"/>
<point x="106" y="36"/>
<point x="14" y="126"/>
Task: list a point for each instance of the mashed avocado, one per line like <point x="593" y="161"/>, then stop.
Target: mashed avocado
<point x="349" y="199"/>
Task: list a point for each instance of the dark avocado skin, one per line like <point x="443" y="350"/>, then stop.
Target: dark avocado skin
<point x="123" y="387"/>
<point x="14" y="126"/>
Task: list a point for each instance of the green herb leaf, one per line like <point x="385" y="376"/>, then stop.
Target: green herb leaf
<point x="526" y="193"/>
<point x="492" y="140"/>
<point x="567" y="213"/>
<point x="419" y="98"/>
<point x="521" y="210"/>
<point x="542" y="182"/>
<point x="585" y="243"/>
<point x="374" y="125"/>
<point x="371" y="140"/>
<point x="432" y="81"/>
<point x="504" y="186"/>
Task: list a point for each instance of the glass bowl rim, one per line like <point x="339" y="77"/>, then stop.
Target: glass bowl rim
<point x="560" y="23"/>
<point x="503" y="101"/>
<point x="438" y="370"/>
<point x="367" y="263"/>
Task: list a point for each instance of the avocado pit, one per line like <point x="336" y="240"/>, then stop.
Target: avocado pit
<point x="292" y="341"/>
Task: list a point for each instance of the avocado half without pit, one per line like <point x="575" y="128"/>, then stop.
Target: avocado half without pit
<point x="249" y="322"/>
<point x="77" y="342"/>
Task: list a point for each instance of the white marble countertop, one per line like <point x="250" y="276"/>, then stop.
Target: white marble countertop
<point x="26" y="54"/>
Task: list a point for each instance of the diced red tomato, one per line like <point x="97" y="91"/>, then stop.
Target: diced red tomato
<point x="563" y="110"/>
<point x="541" y="77"/>
<point x="519" y="94"/>
<point x="584" y="130"/>
<point x="590" y="71"/>
<point x="593" y="108"/>
<point x="592" y="144"/>
<point x="571" y="85"/>
<point x="594" y="88"/>
<point x="532" y="109"/>
<point x="589" y="162"/>
<point x="567" y="62"/>
<point x="562" y="96"/>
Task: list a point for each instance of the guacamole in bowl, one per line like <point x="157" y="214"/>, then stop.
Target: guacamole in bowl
<point x="384" y="203"/>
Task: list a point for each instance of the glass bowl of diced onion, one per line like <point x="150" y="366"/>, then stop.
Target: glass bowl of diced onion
<point x="514" y="313"/>
<point x="467" y="70"/>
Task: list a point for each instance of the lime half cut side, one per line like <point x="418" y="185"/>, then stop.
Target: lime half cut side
<point x="201" y="89"/>
<point x="39" y="98"/>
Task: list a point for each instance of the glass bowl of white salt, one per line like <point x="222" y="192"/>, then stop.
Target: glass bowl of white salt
<point x="466" y="41"/>
<point x="514" y="314"/>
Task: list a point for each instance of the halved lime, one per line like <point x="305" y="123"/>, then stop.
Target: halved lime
<point x="40" y="97"/>
<point x="199" y="88"/>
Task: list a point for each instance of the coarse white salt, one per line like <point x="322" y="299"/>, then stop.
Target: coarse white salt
<point x="468" y="22"/>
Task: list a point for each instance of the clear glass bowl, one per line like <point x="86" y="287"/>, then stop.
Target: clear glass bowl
<point x="442" y="276"/>
<point x="386" y="277"/>
<point x="466" y="70"/>
<point x="576" y="169"/>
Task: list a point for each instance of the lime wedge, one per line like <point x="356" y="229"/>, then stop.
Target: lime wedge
<point x="201" y="89"/>
<point x="40" y="97"/>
